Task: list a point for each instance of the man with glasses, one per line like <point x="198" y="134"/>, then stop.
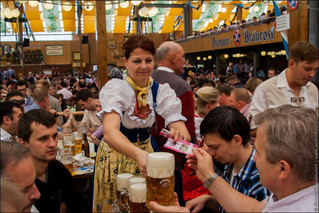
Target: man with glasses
<point x="10" y="114"/>
<point x="15" y="96"/>
<point x="22" y="86"/>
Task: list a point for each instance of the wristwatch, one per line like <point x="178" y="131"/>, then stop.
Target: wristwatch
<point x="210" y="180"/>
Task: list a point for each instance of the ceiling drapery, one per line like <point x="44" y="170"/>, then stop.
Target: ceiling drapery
<point x="206" y="15"/>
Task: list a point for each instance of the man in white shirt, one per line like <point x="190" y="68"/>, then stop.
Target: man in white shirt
<point x="88" y="102"/>
<point x="10" y="114"/>
<point x="286" y="158"/>
<point x="292" y="86"/>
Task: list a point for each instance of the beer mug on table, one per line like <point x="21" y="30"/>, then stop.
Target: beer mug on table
<point x="66" y="158"/>
<point x="137" y="198"/>
<point x="122" y="185"/>
<point x="68" y="139"/>
<point x="160" y="179"/>
<point x="78" y="140"/>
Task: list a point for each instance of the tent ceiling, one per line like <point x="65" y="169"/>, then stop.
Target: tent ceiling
<point x="206" y="15"/>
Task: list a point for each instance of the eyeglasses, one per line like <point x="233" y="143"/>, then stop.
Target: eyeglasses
<point x="21" y="101"/>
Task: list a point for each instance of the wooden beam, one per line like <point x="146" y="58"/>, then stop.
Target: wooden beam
<point x="101" y="43"/>
<point x="298" y="24"/>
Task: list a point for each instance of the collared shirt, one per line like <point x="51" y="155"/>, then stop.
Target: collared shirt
<point x="5" y="136"/>
<point x="245" y="110"/>
<point x="276" y="92"/>
<point x="31" y="107"/>
<point x="28" y="100"/>
<point x="166" y="69"/>
<point x="247" y="180"/>
<point x="65" y="92"/>
<point x="305" y="200"/>
<point x="91" y="120"/>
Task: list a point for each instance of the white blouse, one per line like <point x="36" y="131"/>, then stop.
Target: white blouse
<point x="119" y="96"/>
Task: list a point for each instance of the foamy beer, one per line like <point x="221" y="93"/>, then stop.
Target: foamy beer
<point x="137" y="197"/>
<point x="121" y="188"/>
<point x="160" y="178"/>
<point x="135" y="180"/>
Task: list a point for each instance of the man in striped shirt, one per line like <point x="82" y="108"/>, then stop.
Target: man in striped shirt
<point x="226" y="135"/>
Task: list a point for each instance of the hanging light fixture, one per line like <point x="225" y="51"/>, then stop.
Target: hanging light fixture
<point x="256" y="8"/>
<point x="198" y="58"/>
<point x="67" y="6"/>
<point x="263" y="53"/>
<point x="15" y="12"/>
<point x="108" y="5"/>
<point x="48" y="5"/>
<point x="7" y="12"/>
<point x="204" y="58"/>
<point x="136" y="3"/>
<point x="226" y="56"/>
<point x="209" y="57"/>
<point x="88" y="6"/>
<point x="124" y="4"/>
<point x="153" y="11"/>
<point x="33" y="3"/>
<point x="223" y="9"/>
<point x="143" y="12"/>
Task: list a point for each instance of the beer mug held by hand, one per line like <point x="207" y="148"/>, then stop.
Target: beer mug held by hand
<point x="160" y="179"/>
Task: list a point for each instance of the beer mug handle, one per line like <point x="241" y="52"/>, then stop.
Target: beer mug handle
<point x="124" y="197"/>
<point x="115" y="206"/>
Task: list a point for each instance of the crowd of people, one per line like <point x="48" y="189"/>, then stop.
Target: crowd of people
<point x="257" y="136"/>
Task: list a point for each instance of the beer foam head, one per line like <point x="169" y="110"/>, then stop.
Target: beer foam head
<point x="160" y="164"/>
<point x="134" y="180"/>
<point x="122" y="181"/>
<point x="137" y="192"/>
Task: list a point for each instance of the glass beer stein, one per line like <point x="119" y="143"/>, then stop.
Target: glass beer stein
<point x="160" y="178"/>
<point x="121" y="188"/>
<point x="134" y="180"/>
<point x="137" y="198"/>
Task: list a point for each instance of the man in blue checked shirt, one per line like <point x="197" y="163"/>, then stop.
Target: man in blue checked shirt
<point x="286" y="157"/>
<point x="227" y="139"/>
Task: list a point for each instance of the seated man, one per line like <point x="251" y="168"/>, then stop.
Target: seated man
<point x="87" y="101"/>
<point x="18" y="168"/>
<point x="10" y="114"/>
<point x="240" y="99"/>
<point x="16" y="96"/>
<point x="285" y="157"/>
<point x="228" y="142"/>
<point x="37" y="130"/>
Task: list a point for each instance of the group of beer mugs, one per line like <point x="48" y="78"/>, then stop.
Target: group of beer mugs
<point x="131" y="193"/>
<point x="135" y="193"/>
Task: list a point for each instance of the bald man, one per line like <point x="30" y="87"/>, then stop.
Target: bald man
<point x="171" y="59"/>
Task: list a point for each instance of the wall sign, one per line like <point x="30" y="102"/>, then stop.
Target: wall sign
<point x="53" y="50"/>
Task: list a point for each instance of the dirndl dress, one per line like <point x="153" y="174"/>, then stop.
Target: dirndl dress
<point x="109" y="163"/>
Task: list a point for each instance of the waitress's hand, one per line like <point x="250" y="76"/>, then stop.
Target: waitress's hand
<point x="177" y="134"/>
<point x="141" y="161"/>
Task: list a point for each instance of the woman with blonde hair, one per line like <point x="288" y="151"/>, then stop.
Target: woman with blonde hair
<point x="206" y="99"/>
